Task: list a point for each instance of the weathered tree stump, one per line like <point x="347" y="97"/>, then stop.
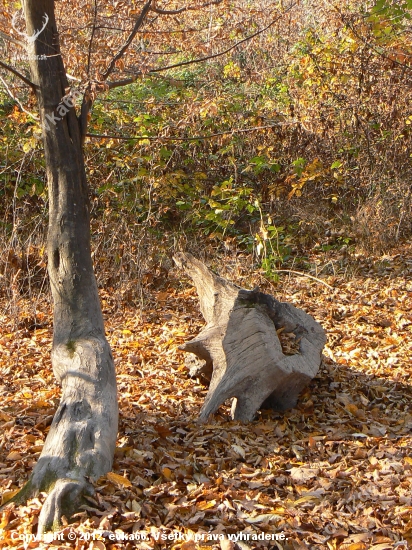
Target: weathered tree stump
<point x="261" y="351"/>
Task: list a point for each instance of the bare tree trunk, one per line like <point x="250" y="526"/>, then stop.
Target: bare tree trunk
<point x="80" y="445"/>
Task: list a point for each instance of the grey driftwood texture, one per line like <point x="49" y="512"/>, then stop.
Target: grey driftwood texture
<point x="239" y="348"/>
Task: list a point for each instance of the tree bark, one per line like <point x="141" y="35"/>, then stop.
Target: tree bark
<point x="80" y="444"/>
<point x="241" y="345"/>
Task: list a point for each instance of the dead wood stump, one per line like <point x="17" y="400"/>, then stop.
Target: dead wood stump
<point x="258" y="350"/>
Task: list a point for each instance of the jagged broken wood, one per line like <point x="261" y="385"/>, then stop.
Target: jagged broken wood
<point x="240" y="347"/>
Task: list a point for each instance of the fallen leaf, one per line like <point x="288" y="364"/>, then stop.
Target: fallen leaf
<point x="162" y="430"/>
<point x="136" y="507"/>
<point x="14" y="455"/>
<point x="302" y="474"/>
<point x="226" y="544"/>
<point x="239" y="450"/>
<point x="205" y="505"/>
<point x="116" y="478"/>
<point x="7" y="495"/>
<point x="5" y="417"/>
<point x="352" y="408"/>
<point x="167" y="472"/>
<point x="264" y="518"/>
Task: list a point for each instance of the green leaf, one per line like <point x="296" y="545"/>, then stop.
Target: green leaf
<point x="380" y="6"/>
<point x="183" y="205"/>
<point x="165" y="153"/>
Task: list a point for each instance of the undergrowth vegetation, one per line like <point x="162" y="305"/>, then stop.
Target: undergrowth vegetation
<point x="298" y="139"/>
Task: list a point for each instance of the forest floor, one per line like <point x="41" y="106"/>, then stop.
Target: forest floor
<point x="333" y="473"/>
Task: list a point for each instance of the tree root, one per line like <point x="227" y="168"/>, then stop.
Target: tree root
<point x="64" y="500"/>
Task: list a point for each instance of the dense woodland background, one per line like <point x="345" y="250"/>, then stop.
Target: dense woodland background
<point x="290" y="153"/>
<point x="310" y="149"/>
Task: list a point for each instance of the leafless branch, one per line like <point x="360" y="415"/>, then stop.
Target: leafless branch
<point x="22" y="77"/>
<point x="185" y="8"/>
<point x="139" y="22"/>
<point x="132" y="79"/>
<point x="89" y="53"/>
<point x="11" y="39"/>
<point x="218" y="54"/>
<point x="194" y="138"/>
<point x="125" y="82"/>
<point x="301" y="274"/>
<point x="385" y="54"/>
<point x="84" y="112"/>
<point x="14" y="98"/>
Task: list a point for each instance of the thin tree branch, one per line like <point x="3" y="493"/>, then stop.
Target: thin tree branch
<point x="84" y="112"/>
<point x="132" y="79"/>
<point x="301" y="274"/>
<point x="380" y="52"/>
<point x="125" y="82"/>
<point x="14" y="98"/>
<point x="218" y="54"/>
<point x="11" y="39"/>
<point x="22" y="77"/>
<point x="194" y="138"/>
<point x="185" y="8"/>
<point x="385" y="54"/>
<point x="139" y="22"/>
<point x="70" y="77"/>
<point x="89" y="53"/>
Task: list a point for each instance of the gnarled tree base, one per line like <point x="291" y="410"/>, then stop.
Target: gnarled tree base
<point x="242" y="341"/>
<point x="80" y="444"/>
